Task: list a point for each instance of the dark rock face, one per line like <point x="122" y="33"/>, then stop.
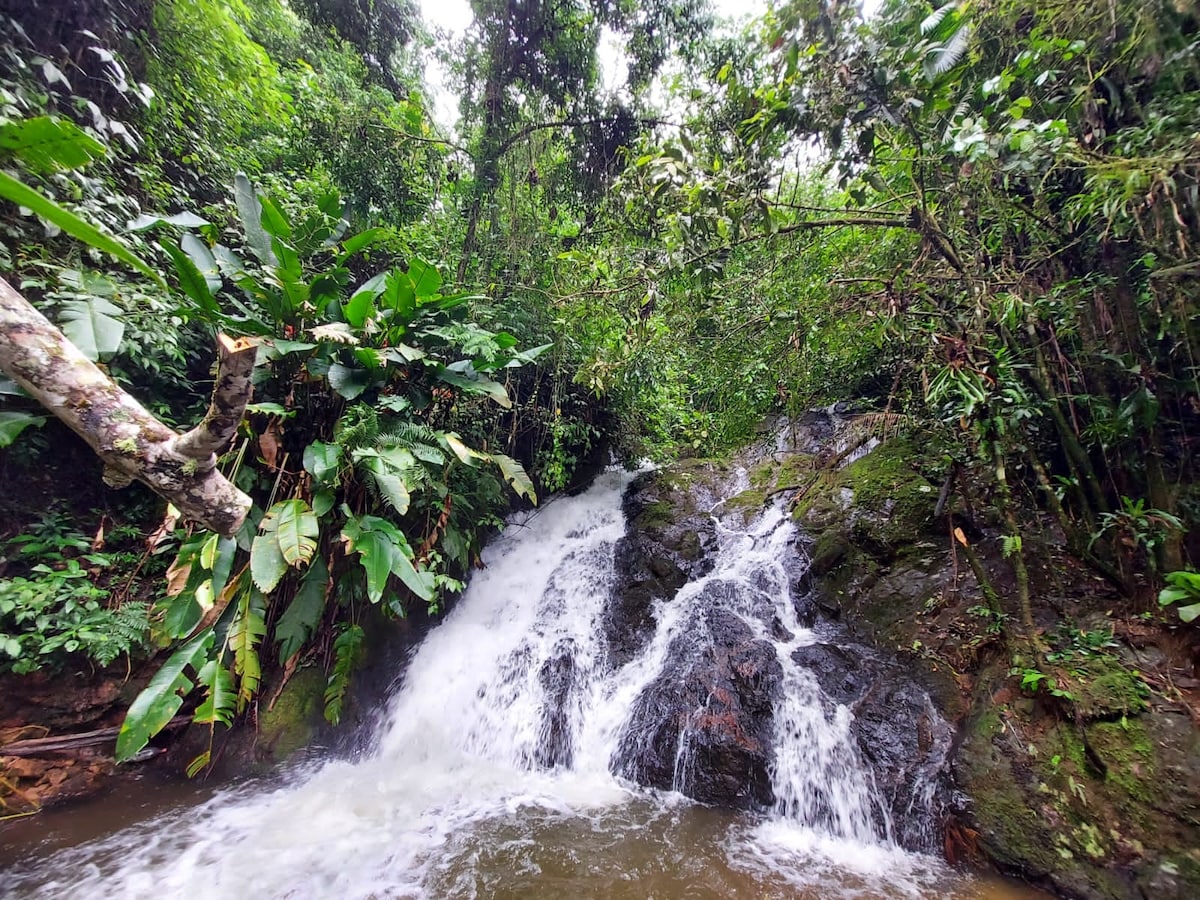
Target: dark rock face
<point x="557" y="677"/>
<point x="664" y="549"/>
<point x="705" y="726"/>
<point x="900" y="734"/>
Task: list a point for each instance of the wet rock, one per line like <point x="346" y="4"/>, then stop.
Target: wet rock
<point x="705" y="726"/>
<point x="557" y="677"/>
<point x="899" y="732"/>
<point x="664" y="549"/>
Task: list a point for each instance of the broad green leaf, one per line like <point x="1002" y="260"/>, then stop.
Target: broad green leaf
<point x="245" y="634"/>
<point x="400" y="296"/>
<point x="477" y="385"/>
<point x="47" y="144"/>
<point x="11" y="189"/>
<point x="303" y="615"/>
<point x="461" y="450"/>
<point x="94" y="326"/>
<point x="250" y="212"/>
<point x="514" y="473"/>
<point x="226" y="552"/>
<point x="295" y="529"/>
<point x="425" y="278"/>
<point x="12" y="423"/>
<point x="390" y="482"/>
<point x="267" y="565"/>
<point x="321" y="460"/>
<point x="375" y="551"/>
<point x="360" y="241"/>
<point x="220" y="700"/>
<point x="274" y="222"/>
<point x="420" y="583"/>
<point x="359" y="308"/>
<point x="527" y="356"/>
<point x="373" y="286"/>
<point x="200" y="254"/>
<point x="322" y="502"/>
<point x="348" y="382"/>
<point x="192" y="281"/>
<point x="149" y="220"/>
<point x="158" y="702"/>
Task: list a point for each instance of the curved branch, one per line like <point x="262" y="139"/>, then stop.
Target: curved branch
<point x="131" y="442"/>
<point x="231" y="393"/>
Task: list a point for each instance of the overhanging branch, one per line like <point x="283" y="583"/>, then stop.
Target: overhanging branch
<point x="131" y="442"/>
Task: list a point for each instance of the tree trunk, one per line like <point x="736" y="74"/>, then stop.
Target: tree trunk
<point x="132" y="443"/>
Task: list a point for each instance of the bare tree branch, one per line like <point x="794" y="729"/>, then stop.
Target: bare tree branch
<point x="131" y="442"/>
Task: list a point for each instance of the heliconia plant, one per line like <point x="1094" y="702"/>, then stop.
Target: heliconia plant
<point x="357" y="490"/>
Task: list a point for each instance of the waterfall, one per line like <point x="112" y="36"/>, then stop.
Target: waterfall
<point x="493" y="773"/>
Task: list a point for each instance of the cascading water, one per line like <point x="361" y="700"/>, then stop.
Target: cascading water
<point x="493" y="775"/>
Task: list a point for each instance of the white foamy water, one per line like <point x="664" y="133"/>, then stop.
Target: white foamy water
<point x="491" y="775"/>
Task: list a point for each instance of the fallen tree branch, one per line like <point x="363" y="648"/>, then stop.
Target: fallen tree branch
<point x="62" y="743"/>
<point x="131" y="442"/>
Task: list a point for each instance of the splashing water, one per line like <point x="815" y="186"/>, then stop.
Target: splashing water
<point x="491" y="776"/>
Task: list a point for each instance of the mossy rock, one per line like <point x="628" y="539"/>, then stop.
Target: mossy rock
<point x="655" y="516"/>
<point x="1105" y="689"/>
<point x="291" y="723"/>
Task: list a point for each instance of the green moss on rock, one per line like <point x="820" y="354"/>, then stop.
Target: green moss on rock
<point x="291" y="723"/>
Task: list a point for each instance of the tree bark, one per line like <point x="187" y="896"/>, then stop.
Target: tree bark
<point x="131" y="442"/>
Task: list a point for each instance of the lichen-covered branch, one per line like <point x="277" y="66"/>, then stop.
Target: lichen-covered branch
<point x="131" y="442"/>
<point x="231" y="393"/>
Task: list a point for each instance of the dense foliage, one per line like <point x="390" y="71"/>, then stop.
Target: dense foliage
<point x="979" y="220"/>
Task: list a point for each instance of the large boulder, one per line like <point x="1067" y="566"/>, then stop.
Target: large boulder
<point x="667" y="545"/>
<point x="705" y="725"/>
<point x="899" y="732"/>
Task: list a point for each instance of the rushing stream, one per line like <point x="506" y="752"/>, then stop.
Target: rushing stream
<point x="492" y="775"/>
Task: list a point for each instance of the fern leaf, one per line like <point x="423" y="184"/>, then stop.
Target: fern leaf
<point x="935" y="18"/>
<point x="944" y="58"/>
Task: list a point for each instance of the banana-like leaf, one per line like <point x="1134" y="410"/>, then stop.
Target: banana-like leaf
<point x="250" y="211"/>
<point x="94" y="326"/>
<point x="303" y="614"/>
<point x="245" y="634"/>
<point x="220" y="700"/>
<point x="158" y="702"/>
<point x="477" y="385"/>
<point x="514" y="473"/>
<point x="12" y="423"/>
<point x="23" y="195"/>
<point x="47" y="144"/>
<point x="294" y="528"/>
<point x="192" y="280"/>
<point x="267" y="565"/>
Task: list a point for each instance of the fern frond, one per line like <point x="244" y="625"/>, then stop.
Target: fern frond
<point x="358" y="427"/>
<point x="944" y="58"/>
<point x="935" y="18"/>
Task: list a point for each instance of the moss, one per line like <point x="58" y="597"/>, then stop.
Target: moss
<point x="655" y="515"/>
<point x="830" y="549"/>
<point x="795" y="471"/>
<point x="1011" y="828"/>
<point x="290" y="724"/>
<point x="747" y="501"/>
<point x="1128" y="754"/>
<point x="763" y="475"/>
<point x="1106" y="689"/>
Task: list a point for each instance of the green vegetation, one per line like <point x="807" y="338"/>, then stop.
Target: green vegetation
<point x="978" y="221"/>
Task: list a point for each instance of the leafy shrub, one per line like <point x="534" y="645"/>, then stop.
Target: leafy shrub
<point x="47" y="619"/>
